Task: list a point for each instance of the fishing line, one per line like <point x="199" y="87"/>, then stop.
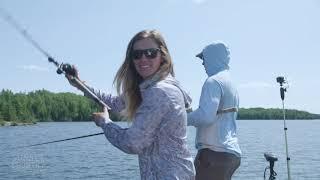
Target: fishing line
<point x="68" y="139"/>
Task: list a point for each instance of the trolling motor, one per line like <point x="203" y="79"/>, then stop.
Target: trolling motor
<point x="271" y="158"/>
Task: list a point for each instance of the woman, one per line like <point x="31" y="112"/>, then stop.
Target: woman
<point x="151" y="97"/>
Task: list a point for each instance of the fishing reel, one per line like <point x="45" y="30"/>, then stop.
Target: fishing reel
<point x="63" y="67"/>
<point x="67" y="69"/>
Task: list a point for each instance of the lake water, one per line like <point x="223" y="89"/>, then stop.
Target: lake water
<point x="95" y="158"/>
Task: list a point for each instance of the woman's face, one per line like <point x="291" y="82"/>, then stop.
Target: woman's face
<point x="146" y="57"/>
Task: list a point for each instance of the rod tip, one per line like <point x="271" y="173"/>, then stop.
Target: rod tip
<point x="50" y="59"/>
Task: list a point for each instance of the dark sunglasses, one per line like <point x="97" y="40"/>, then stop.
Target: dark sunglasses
<point x="148" y="53"/>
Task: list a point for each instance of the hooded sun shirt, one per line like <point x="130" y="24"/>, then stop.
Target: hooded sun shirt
<point x="217" y="132"/>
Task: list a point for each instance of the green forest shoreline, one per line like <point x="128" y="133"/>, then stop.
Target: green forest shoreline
<point x="44" y="106"/>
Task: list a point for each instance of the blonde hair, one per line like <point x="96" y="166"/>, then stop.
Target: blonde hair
<point x="127" y="79"/>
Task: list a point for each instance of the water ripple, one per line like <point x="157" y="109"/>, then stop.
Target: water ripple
<point x="94" y="158"/>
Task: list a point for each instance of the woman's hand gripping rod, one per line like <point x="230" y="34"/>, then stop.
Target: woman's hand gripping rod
<point x="72" y="75"/>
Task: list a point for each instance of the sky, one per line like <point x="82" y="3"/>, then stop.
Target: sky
<point x="267" y="39"/>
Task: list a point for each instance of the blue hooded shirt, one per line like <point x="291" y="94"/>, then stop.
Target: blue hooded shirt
<point x="216" y="57"/>
<point x="216" y="131"/>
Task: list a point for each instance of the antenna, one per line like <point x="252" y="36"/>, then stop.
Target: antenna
<point x="281" y="80"/>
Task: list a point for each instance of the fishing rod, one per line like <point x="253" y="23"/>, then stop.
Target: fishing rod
<point x="62" y="68"/>
<point x="281" y="80"/>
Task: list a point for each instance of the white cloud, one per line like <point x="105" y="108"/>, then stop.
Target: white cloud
<point x="199" y="1"/>
<point x="183" y="1"/>
<point x="255" y="85"/>
<point x="33" y="68"/>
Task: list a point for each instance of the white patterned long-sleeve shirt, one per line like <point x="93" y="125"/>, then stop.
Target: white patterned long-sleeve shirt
<point x="158" y="131"/>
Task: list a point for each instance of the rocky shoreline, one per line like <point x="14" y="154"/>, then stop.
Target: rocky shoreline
<point x="7" y="123"/>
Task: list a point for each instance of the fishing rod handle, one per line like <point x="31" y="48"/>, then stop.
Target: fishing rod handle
<point x="85" y="89"/>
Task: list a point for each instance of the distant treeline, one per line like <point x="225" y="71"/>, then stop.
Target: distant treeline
<point x="43" y="106"/>
<point x="272" y="113"/>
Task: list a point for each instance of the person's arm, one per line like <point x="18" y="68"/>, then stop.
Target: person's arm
<point x="116" y="103"/>
<point x="208" y="106"/>
<point x="142" y="133"/>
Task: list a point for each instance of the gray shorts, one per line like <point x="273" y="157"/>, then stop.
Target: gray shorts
<point x="212" y="165"/>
